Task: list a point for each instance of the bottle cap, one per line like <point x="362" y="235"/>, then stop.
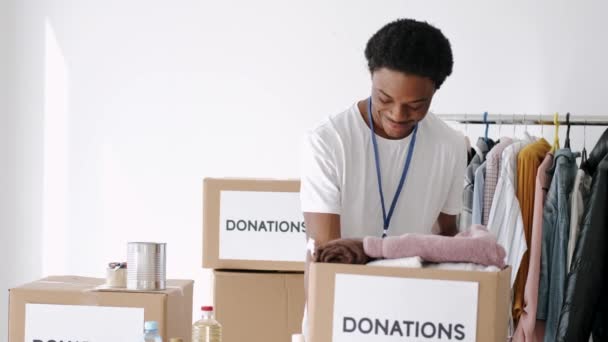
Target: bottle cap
<point x="151" y="325"/>
<point x="207" y="308"/>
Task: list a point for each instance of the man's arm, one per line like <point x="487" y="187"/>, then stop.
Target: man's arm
<point x="447" y="220"/>
<point x="322" y="228"/>
<point x="447" y="224"/>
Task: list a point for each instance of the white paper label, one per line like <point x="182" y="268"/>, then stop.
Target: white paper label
<point x="74" y="323"/>
<point x="256" y="225"/>
<point x="374" y="308"/>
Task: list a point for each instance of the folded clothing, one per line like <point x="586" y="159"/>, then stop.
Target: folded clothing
<point x="461" y="266"/>
<point x="342" y="251"/>
<point x="476" y="245"/>
<point x="412" y="262"/>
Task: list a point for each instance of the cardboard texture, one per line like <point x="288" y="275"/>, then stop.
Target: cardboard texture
<point x="212" y="189"/>
<point x="171" y="308"/>
<point x="259" y="307"/>
<point x="493" y="297"/>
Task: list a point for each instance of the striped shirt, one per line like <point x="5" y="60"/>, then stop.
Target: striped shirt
<point x="505" y="219"/>
<point x="493" y="163"/>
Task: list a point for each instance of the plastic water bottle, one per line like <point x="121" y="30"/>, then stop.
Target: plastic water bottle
<point x="151" y="332"/>
<point x="207" y="329"/>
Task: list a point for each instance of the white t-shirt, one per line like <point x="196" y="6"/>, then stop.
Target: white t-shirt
<point x="339" y="175"/>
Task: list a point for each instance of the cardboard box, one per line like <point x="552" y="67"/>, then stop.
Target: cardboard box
<point x="69" y="308"/>
<point x="259" y="307"/>
<point x="251" y="224"/>
<point x="363" y="303"/>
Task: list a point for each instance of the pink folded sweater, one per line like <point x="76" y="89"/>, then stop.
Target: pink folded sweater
<point x="475" y="245"/>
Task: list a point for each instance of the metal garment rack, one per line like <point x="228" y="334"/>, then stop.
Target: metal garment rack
<point x="524" y="119"/>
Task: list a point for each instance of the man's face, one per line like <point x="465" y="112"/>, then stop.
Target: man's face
<point x="399" y="101"/>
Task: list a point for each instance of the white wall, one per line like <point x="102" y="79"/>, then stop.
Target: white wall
<point x="144" y="99"/>
<point x="21" y="147"/>
<point x="6" y="174"/>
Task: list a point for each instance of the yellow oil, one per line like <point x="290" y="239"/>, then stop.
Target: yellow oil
<point x="207" y="329"/>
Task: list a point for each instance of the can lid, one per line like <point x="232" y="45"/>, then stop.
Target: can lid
<point x="207" y="308"/>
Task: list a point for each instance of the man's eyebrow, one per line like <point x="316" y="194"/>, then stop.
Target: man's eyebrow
<point x="418" y="101"/>
<point x="385" y="94"/>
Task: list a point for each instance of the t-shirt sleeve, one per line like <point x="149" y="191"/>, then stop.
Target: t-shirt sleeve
<point x="453" y="201"/>
<point x="320" y="185"/>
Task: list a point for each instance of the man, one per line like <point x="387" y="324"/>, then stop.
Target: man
<point x="348" y="170"/>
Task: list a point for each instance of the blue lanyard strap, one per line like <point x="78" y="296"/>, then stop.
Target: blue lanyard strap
<point x="408" y="159"/>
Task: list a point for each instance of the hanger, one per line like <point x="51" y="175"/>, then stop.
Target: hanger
<point x="525" y="124"/>
<point x="555" y="146"/>
<point x="542" y="127"/>
<point x="584" y="151"/>
<point x="485" y="120"/>
<point x="466" y="135"/>
<point x="499" y="125"/>
<point x="513" y="126"/>
<point x="567" y="143"/>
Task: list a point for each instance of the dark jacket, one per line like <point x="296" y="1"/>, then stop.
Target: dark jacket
<point x="585" y="307"/>
<point x="554" y="248"/>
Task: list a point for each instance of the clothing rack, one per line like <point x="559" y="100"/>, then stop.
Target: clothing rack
<point x="525" y="119"/>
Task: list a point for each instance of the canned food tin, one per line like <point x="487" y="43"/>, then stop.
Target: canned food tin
<point x="146" y="266"/>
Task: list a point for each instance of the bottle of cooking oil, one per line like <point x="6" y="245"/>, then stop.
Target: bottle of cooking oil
<point x="207" y="329"/>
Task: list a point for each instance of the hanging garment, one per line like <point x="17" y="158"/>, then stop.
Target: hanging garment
<point x="493" y="166"/>
<point x="342" y="251"/>
<point x="505" y="219"/>
<point x="528" y="161"/>
<point x="475" y="245"/>
<point x="579" y="196"/>
<point x="478" y="187"/>
<point x="554" y="248"/>
<point x="481" y="149"/>
<point x="528" y="328"/>
<point x="585" y="308"/>
<point x="470" y="150"/>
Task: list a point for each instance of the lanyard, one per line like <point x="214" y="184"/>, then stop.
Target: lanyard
<point x="408" y="159"/>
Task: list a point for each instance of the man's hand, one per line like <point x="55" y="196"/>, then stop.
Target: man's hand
<point x="322" y="228"/>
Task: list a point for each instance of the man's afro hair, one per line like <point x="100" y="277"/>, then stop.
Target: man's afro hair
<point x="411" y="47"/>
